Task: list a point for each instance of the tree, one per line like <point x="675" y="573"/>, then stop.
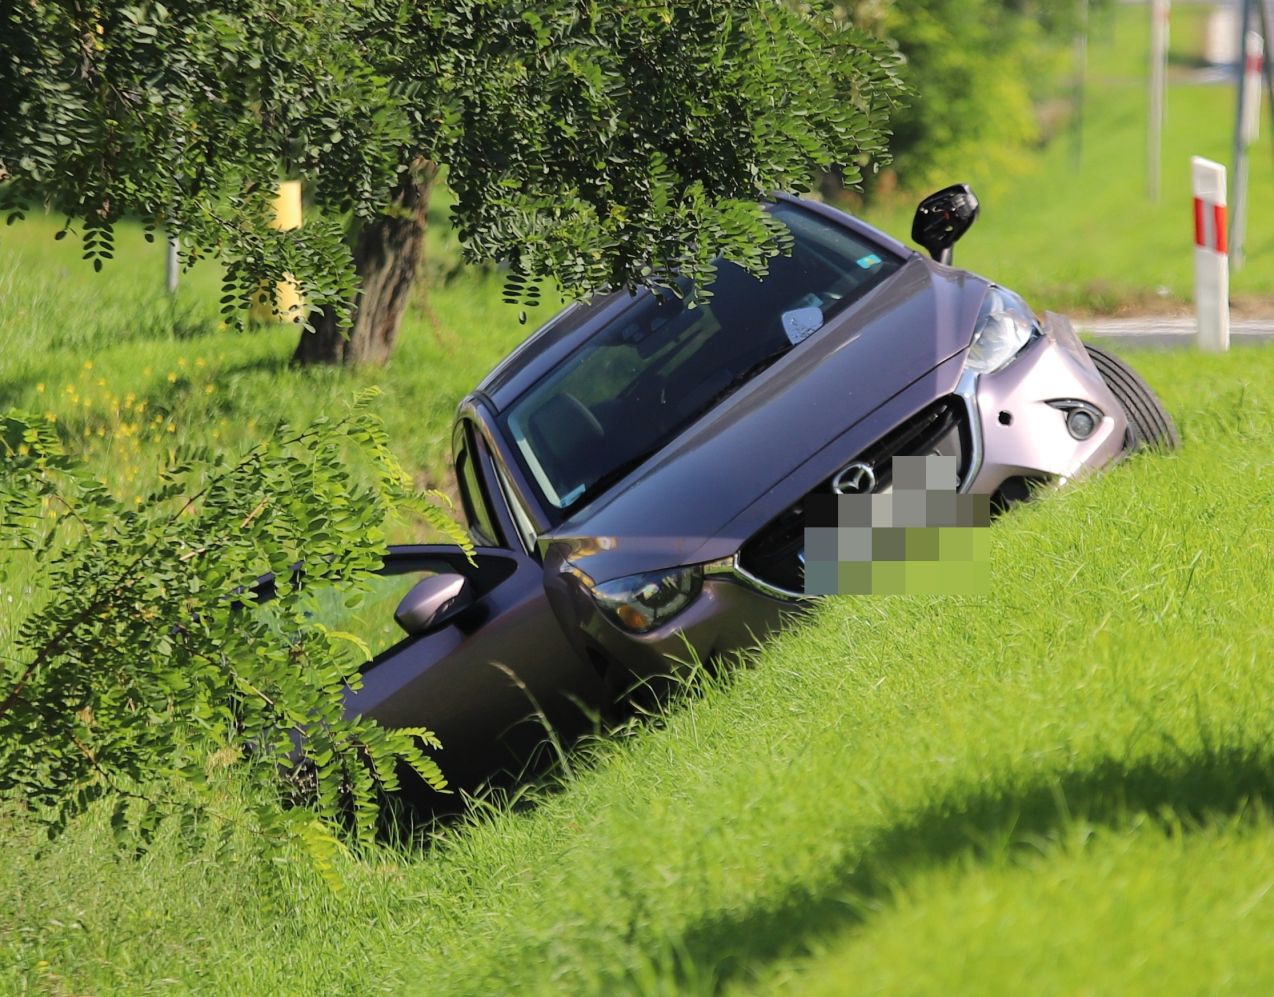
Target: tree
<point x="611" y="144"/>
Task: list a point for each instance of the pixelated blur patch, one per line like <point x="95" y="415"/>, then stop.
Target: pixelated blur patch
<point x="919" y="537"/>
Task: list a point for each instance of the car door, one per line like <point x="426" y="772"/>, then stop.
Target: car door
<point x="492" y="681"/>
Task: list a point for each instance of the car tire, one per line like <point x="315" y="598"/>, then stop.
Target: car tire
<point x="1149" y="424"/>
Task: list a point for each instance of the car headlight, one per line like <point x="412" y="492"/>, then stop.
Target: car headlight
<point x="1005" y="325"/>
<point x="642" y="602"/>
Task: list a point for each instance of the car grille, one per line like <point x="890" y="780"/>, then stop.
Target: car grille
<point x="775" y="555"/>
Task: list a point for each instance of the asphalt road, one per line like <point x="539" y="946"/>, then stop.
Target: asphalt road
<point x="1169" y="332"/>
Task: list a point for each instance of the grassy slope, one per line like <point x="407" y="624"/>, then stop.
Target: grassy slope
<point x="1091" y="239"/>
<point x="1068" y="777"/>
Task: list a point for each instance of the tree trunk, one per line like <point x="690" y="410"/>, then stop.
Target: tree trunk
<point x="387" y="254"/>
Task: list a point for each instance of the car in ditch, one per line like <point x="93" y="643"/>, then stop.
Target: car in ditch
<point x="634" y="475"/>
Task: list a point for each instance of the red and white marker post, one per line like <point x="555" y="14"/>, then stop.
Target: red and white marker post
<point x="1211" y="265"/>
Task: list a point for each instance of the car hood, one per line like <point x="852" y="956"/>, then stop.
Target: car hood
<point x="677" y="508"/>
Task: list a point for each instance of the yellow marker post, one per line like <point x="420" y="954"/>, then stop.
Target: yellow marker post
<point x="284" y="304"/>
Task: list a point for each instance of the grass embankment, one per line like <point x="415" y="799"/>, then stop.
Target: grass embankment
<point x="1065" y="785"/>
<point x="1090" y="239"/>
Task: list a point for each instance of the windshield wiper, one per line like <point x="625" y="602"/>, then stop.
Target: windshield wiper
<point x="595" y="488"/>
<point x="740" y="379"/>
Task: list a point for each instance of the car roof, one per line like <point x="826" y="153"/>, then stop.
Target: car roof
<point x="577" y="323"/>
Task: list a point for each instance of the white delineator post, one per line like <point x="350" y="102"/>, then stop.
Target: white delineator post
<point x="1211" y="266"/>
<point x="171" y="268"/>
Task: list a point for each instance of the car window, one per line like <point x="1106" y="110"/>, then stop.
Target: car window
<point x="364" y="610"/>
<point x="473" y="497"/>
<point x="369" y="621"/>
<point x="664" y="362"/>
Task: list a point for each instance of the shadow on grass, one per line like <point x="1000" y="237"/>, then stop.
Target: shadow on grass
<point x="1176" y="795"/>
<point x="162" y="320"/>
<point x="161" y="399"/>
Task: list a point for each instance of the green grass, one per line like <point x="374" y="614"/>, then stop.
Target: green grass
<point x="1065" y="785"/>
<point x="1142" y="909"/>
<point x="89" y="350"/>
<point x="129" y="375"/>
<point x="1090" y="239"/>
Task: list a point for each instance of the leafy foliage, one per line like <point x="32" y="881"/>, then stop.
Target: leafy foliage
<point x="979" y="69"/>
<point x="625" y="144"/>
<point x="149" y="675"/>
<point x="600" y="144"/>
<point x="184" y="113"/>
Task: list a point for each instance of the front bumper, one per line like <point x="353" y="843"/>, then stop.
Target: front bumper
<point x="1019" y="434"/>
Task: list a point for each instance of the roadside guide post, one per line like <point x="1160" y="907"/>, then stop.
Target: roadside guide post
<point x="172" y="269"/>
<point x="1211" y="264"/>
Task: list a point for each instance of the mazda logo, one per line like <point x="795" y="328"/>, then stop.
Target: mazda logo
<point x="857" y="479"/>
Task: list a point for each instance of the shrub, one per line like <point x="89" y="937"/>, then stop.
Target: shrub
<point x="150" y="675"/>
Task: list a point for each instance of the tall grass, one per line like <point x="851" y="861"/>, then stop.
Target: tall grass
<point x="127" y="372"/>
<point x="1023" y="790"/>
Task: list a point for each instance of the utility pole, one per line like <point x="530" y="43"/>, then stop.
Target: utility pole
<point x="1160" y="10"/>
<point x="1081" y="72"/>
<point x="1248" y="128"/>
<point x="1263" y="9"/>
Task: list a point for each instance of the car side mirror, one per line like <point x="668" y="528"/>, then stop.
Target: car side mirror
<point x="942" y="218"/>
<point x="433" y="602"/>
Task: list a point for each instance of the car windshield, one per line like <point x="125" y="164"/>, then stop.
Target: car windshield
<point x="662" y="363"/>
